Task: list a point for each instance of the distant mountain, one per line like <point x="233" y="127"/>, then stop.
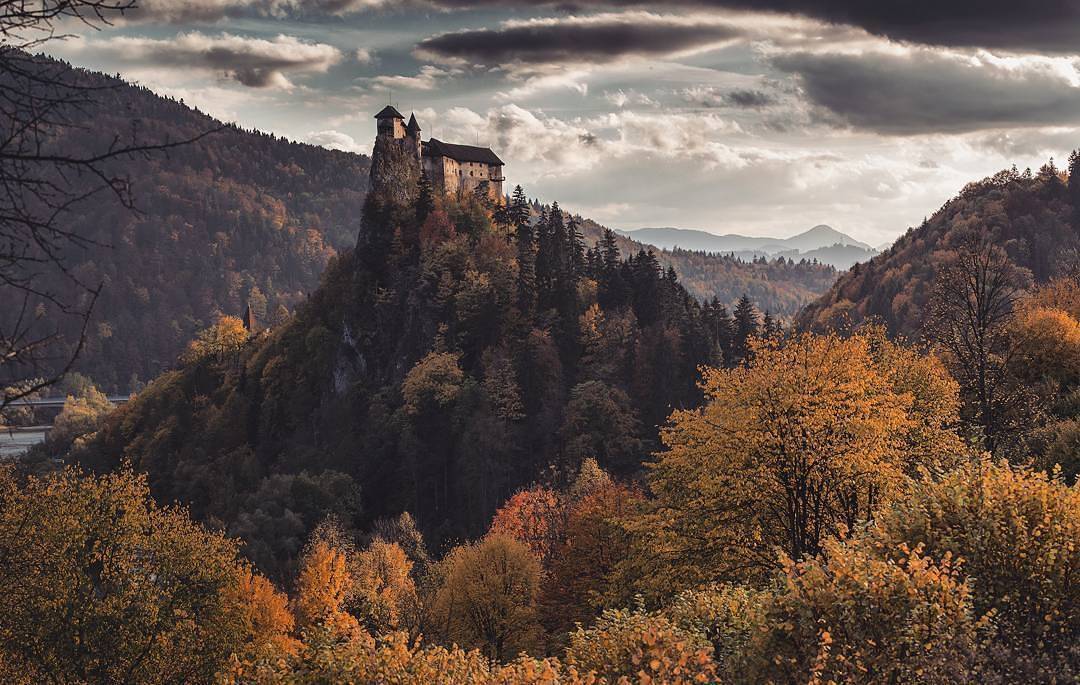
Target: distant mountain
<point x="817" y="238"/>
<point x="1027" y="215"/>
<point x="842" y="257"/>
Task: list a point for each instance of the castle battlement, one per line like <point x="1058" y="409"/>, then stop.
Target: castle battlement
<point x="452" y="168"/>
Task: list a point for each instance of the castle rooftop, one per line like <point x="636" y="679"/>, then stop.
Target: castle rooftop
<point x="461" y="153"/>
<point x="389" y="112"/>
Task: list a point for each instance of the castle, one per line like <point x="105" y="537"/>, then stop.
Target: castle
<point x="452" y="168"/>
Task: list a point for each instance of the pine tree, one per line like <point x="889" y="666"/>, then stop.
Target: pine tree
<point x="526" y="257"/>
<point x="746" y="328"/>
<point x="575" y="244"/>
<point x="425" y="201"/>
<point x="519" y="208"/>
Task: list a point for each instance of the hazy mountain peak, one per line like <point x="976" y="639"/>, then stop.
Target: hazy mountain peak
<point x="818" y="243"/>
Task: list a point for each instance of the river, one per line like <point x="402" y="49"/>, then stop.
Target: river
<point x="15" y="441"/>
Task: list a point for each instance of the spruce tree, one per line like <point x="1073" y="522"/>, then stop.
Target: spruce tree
<point x="425" y="200"/>
<point x="575" y="244"/>
<point x="746" y="328"/>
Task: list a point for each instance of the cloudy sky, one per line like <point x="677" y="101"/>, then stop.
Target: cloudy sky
<point x="762" y="117"/>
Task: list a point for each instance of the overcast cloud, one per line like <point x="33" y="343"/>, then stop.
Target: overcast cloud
<point x="756" y="116"/>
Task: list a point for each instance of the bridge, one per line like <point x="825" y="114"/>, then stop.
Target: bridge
<point x="58" y="402"/>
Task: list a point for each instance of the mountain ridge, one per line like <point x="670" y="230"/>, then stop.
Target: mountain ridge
<point x="819" y="236"/>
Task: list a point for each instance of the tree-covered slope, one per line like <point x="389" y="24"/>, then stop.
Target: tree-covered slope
<point x="444" y="363"/>
<point x="236" y="216"/>
<point x="779" y="285"/>
<point x="1029" y="216"/>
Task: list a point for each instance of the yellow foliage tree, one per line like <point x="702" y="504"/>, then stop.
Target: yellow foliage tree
<point x="324" y="586"/>
<point x="266" y="617"/>
<point x="1018" y="533"/>
<point x="804" y="442"/>
<point x="433" y="384"/>
<point x="384" y="589"/>
<point x="857" y="618"/>
<point x="638" y="647"/>
<point x="486" y="598"/>
<point x="102" y="586"/>
<point x="80" y="417"/>
<point x="222" y="341"/>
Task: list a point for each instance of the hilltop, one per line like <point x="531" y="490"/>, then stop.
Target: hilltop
<point x="1027" y="214"/>
<point x="444" y="363"/>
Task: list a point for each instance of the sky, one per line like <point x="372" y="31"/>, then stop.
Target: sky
<point x="760" y="117"/>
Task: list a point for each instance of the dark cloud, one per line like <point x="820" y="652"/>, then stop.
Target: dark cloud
<point x="927" y="91"/>
<point x="749" y="98"/>
<point x="1010" y="24"/>
<point x="254" y="62"/>
<point x="595" y="39"/>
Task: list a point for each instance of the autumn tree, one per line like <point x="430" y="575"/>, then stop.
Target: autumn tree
<point x="851" y="617"/>
<point x="641" y="647"/>
<point x="580" y="581"/>
<point x="804" y="442"/>
<point x="265" y="616"/>
<point x="221" y="342"/>
<point x="102" y="585"/>
<point x="325" y="585"/>
<point x="486" y="598"/>
<point x="80" y="417"/>
<point x="385" y="594"/>
<point x="1016" y="531"/>
<point x="533" y="516"/>
<point x="971" y="310"/>
<point x="401" y="530"/>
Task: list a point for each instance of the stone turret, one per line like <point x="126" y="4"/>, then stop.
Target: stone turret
<point x="412" y="132"/>
<point x="391" y="123"/>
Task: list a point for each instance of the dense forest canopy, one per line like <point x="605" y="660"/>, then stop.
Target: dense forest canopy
<point x="1028" y="215"/>
<point x="460" y="352"/>
<point x="778" y="285"/>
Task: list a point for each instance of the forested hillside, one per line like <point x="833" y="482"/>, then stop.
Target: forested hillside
<point x="1029" y="216"/>
<point x="446" y="362"/>
<point x="779" y="285"/>
<point x="235" y="217"/>
<point x="242" y="217"/>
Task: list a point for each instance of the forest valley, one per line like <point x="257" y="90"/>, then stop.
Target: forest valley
<point x="482" y="452"/>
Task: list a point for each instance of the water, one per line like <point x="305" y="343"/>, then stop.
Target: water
<point x="15" y="441"/>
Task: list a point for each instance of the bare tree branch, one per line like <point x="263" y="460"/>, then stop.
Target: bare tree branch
<point x="43" y="180"/>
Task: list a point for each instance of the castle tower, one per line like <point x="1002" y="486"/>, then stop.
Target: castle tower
<point x="391" y="123"/>
<point x="412" y="131"/>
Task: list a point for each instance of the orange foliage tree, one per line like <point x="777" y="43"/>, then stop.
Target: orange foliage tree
<point x="806" y="441"/>
<point x="533" y="517"/>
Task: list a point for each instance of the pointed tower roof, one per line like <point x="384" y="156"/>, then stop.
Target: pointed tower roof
<point x="413" y="127"/>
<point x="389" y="112"/>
